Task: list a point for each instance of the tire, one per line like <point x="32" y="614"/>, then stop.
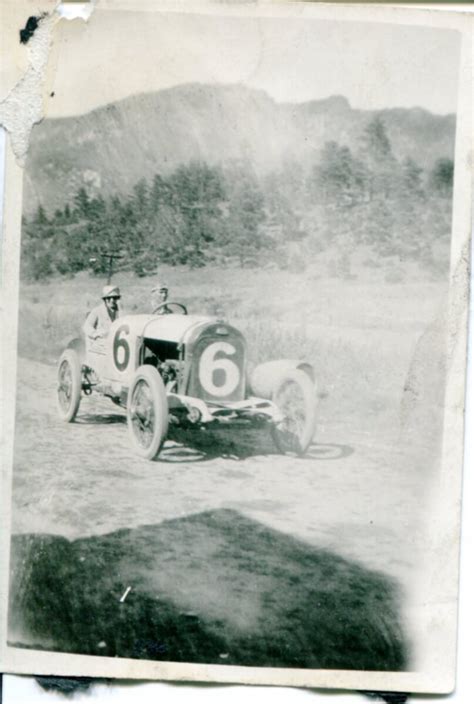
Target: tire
<point x="147" y="412"/>
<point x="69" y="385"/>
<point x="295" y="397"/>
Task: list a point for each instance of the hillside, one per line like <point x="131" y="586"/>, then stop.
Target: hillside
<point x="111" y="148"/>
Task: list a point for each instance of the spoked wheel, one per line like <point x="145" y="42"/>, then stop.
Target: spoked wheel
<point x="69" y="385"/>
<point x="295" y="397"/>
<point x="147" y="412"/>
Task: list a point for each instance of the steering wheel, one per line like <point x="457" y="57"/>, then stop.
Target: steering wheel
<point x="167" y="304"/>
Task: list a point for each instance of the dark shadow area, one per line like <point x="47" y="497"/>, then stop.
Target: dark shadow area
<point x="200" y="443"/>
<point x="195" y="444"/>
<point x="214" y="587"/>
<point x="100" y="419"/>
<point x="181" y="454"/>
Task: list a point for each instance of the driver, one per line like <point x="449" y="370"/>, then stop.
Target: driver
<point x="159" y="297"/>
<point x="101" y="317"/>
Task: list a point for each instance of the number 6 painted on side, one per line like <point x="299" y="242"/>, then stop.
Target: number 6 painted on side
<point x="121" y="344"/>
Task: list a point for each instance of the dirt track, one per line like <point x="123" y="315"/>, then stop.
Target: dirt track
<point x="350" y="494"/>
<point x="362" y="493"/>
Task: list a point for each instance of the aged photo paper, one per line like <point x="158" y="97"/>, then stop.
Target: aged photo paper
<point x="235" y="299"/>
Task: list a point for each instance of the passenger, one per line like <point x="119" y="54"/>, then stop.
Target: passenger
<point x="159" y="298"/>
<point x="101" y="317"/>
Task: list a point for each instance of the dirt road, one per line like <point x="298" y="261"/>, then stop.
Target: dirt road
<point x="355" y="493"/>
<point x="362" y="493"/>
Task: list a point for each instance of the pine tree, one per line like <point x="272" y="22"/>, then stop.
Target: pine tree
<point x="40" y="217"/>
<point x="81" y="203"/>
<point x="244" y="237"/>
<point x="338" y="177"/>
<point x="441" y="177"/>
<point x="197" y="194"/>
<point x="376" y="153"/>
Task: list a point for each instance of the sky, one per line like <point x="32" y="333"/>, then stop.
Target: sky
<point x="293" y="59"/>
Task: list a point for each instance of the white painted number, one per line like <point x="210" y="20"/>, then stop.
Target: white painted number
<point x="227" y="378"/>
<point x="121" y="348"/>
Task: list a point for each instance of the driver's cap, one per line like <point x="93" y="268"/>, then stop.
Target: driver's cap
<point x="111" y="292"/>
<point x="160" y="286"/>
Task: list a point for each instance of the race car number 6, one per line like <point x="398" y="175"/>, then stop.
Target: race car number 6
<point x="121" y="348"/>
<point x="209" y="364"/>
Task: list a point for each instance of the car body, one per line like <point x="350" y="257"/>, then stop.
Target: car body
<point x="184" y="369"/>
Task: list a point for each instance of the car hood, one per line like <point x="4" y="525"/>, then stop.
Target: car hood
<point x="172" y="328"/>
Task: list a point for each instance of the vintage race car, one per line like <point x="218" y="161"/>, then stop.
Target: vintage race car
<point x="188" y="370"/>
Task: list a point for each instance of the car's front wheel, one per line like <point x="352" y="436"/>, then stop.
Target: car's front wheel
<point x="69" y="385"/>
<point x="295" y="397"/>
<point x="147" y="412"/>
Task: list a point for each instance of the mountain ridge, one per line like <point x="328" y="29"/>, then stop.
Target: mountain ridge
<point x="112" y="147"/>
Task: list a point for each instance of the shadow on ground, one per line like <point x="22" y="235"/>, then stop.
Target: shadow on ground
<point x="198" y="444"/>
<point x="101" y="419"/>
<point x="214" y="587"/>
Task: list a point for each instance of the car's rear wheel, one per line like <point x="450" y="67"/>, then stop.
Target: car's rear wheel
<point x="295" y="397"/>
<point x="69" y="385"/>
<point x="147" y="412"/>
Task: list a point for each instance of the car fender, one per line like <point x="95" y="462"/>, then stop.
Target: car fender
<point x="78" y="344"/>
<point x="266" y="376"/>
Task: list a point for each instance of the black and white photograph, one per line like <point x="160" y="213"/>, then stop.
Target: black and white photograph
<point x="239" y="367"/>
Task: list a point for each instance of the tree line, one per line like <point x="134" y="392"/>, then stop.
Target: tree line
<point x="201" y="214"/>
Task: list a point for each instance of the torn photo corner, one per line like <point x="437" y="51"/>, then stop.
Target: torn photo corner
<point x="235" y="275"/>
